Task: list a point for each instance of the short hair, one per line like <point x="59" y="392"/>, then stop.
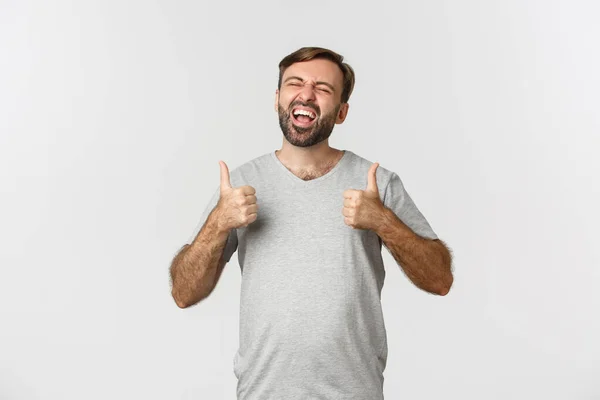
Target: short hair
<point x="312" y="53"/>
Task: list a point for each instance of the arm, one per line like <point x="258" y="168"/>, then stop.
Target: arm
<point x="196" y="269"/>
<point x="426" y="262"/>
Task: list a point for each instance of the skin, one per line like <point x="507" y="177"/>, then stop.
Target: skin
<point x="197" y="267"/>
<point x="319" y="87"/>
<point x="315" y="85"/>
<point x="427" y="263"/>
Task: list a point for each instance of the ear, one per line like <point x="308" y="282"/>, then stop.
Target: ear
<point x="276" y="100"/>
<point x="341" y="116"/>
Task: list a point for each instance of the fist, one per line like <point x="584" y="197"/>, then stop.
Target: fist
<point x="237" y="206"/>
<point x="363" y="209"/>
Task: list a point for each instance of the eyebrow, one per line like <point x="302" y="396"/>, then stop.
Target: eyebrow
<point x="329" y="85"/>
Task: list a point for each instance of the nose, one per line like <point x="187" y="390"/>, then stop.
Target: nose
<point x="308" y="92"/>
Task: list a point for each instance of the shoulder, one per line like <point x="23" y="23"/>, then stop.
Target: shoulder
<point x="362" y="166"/>
<point x="251" y="170"/>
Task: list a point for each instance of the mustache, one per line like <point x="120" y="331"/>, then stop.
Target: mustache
<point x="313" y="107"/>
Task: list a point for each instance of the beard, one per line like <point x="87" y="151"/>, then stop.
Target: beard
<point x="310" y="136"/>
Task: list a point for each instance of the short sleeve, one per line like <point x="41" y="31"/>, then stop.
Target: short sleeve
<point x="397" y="199"/>
<point x="232" y="242"/>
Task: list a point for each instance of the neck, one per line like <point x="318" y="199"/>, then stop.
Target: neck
<point x="307" y="157"/>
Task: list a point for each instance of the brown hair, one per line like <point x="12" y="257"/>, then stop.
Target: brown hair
<point x="312" y="53"/>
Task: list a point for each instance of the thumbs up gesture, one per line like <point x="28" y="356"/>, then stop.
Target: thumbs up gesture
<point x="237" y="206"/>
<point x="363" y="209"/>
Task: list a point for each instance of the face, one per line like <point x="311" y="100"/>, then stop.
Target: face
<point x="309" y="102"/>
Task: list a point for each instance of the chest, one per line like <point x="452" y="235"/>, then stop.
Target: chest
<point x="304" y="226"/>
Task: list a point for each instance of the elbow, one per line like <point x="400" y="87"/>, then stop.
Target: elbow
<point x="444" y="289"/>
<point x="180" y="301"/>
<point x="447" y="277"/>
<point x="186" y="296"/>
<point x="181" y="304"/>
<point x="445" y="283"/>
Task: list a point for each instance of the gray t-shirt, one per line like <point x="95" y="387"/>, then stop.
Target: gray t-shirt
<point x="311" y="323"/>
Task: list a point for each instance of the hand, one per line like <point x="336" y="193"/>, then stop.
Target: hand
<point x="363" y="209"/>
<point x="237" y="206"/>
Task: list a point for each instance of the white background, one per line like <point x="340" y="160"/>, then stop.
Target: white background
<point x="114" y="115"/>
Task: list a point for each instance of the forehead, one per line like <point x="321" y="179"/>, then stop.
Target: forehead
<point x="317" y="70"/>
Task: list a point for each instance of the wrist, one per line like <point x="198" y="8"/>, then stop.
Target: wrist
<point x="218" y="221"/>
<point x="391" y="226"/>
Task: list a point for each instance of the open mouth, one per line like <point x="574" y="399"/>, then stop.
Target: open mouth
<point x="303" y="117"/>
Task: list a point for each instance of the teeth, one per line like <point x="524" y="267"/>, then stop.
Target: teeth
<point x="304" y="112"/>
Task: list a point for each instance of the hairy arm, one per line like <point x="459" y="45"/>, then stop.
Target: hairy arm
<point x="426" y="262"/>
<point x="196" y="269"/>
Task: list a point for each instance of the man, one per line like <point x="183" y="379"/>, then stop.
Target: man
<point x="309" y="222"/>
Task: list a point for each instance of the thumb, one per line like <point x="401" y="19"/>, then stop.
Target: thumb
<point x="225" y="182"/>
<point x="372" y="178"/>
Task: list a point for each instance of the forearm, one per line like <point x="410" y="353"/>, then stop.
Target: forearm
<point x="427" y="263"/>
<point x="195" y="268"/>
